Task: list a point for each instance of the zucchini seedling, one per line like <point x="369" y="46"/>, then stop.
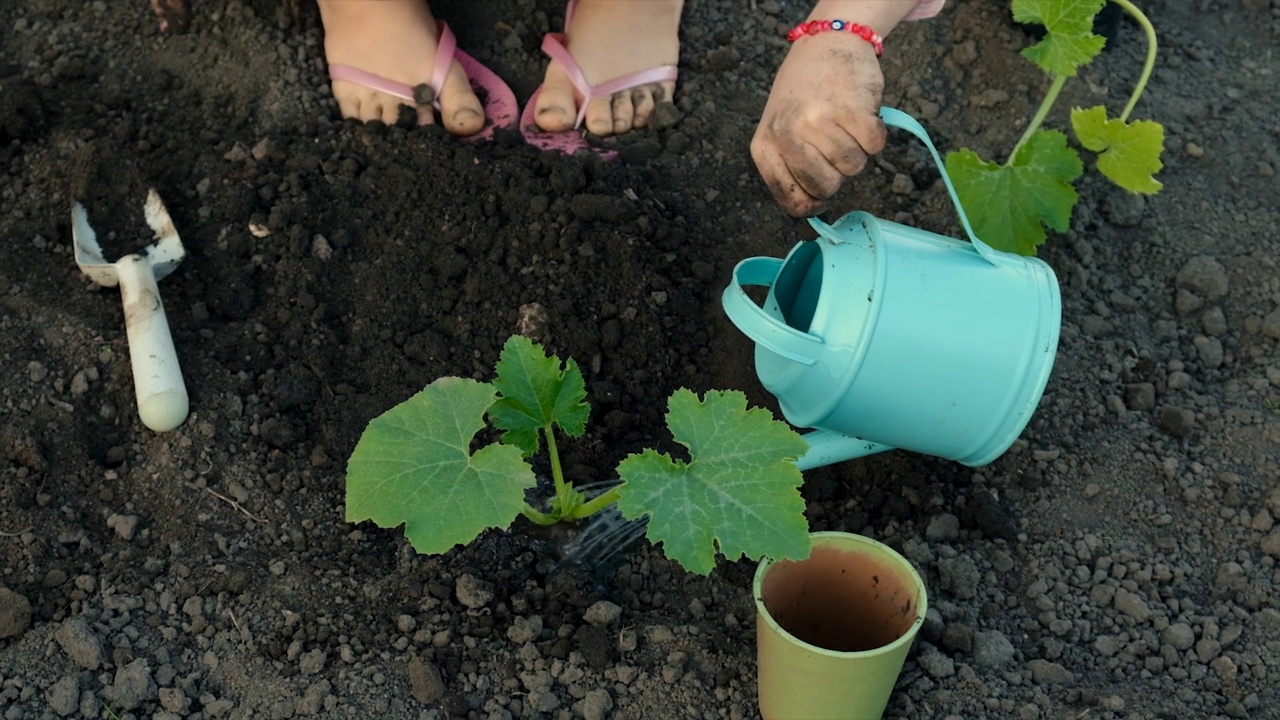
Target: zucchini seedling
<point x="1010" y="205"/>
<point x="738" y="494"/>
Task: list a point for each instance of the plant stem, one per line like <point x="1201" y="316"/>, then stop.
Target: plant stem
<point x="596" y="504"/>
<point x="564" y="493"/>
<point x="538" y="518"/>
<point x="1041" y="113"/>
<point x="1149" y="65"/>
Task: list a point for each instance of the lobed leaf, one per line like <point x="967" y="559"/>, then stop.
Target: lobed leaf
<point x="1129" y="152"/>
<point x="1070" y="41"/>
<point x="413" y="466"/>
<point x="537" y="391"/>
<point x="738" y="494"/>
<point x="1010" y="205"/>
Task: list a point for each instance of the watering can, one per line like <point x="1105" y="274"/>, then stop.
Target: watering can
<point x="885" y="336"/>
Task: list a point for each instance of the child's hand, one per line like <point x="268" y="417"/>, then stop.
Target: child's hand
<point x="821" y="121"/>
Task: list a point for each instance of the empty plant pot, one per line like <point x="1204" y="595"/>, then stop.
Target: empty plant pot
<point x="832" y="631"/>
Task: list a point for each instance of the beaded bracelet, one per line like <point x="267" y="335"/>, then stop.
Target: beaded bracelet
<point x="813" y="27"/>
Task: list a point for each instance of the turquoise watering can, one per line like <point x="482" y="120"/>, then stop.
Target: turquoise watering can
<point x="884" y="336"/>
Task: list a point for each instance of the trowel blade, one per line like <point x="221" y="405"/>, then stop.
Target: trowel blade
<point x="88" y="252"/>
<point x="167" y="251"/>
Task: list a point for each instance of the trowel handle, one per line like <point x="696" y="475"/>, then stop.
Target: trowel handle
<point x="768" y="332"/>
<point x="157" y="378"/>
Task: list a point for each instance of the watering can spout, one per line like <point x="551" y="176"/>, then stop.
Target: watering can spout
<point x="827" y="447"/>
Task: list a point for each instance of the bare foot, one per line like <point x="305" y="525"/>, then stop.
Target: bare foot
<point x="397" y="40"/>
<point x="609" y="39"/>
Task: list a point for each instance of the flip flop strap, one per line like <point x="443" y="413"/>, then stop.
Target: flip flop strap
<point x="383" y="85"/>
<point x="553" y="46"/>
<point x="446" y="43"/>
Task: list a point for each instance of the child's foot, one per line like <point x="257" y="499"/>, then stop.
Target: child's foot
<point x="395" y="39"/>
<point x="609" y="39"/>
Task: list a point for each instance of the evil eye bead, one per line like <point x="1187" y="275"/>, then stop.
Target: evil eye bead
<point x="837" y="25"/>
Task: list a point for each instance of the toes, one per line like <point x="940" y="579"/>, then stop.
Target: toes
<point x="460" y="109"/>
<point x="360" y="103"/>
<point x="556" y="110"/>
<point x="664" y="92"/>
<point x="388" y="110"/>
<point x="599" y="119"/>
<point x="348" y="102"/>
<point x="623" y="113"/>
<point x="642" y="101"/>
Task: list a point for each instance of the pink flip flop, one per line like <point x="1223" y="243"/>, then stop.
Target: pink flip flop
<point x="500" y="107"/>
<point x="571" y="141"/>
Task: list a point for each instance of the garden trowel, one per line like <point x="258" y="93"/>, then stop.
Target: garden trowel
<point x="157" y="378"/>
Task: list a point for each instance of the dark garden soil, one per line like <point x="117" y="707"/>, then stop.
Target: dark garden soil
<point x="1119" y="562"/>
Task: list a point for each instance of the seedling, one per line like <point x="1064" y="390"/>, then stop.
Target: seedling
<point x="1011" y="205"/>
<point x="738" y="493"/>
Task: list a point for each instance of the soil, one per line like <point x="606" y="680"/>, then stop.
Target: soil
<point x="1119" y="561"/>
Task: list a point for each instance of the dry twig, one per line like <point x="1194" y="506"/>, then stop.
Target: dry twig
<point x="226" y="500"/>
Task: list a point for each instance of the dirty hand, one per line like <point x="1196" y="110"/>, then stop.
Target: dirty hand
<point x="821" y="121"/>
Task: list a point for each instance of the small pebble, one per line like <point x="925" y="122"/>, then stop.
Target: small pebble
<point x="1271" y="324"/>
<point x="992" y="649"/>
<point x="936" y="664"/>
<point x="15" y="614"/>
<point x="321" y="248"/>
<point x="473" y="592"/>
<point x="79" y="642"/>
<point x="1204" y="276"/>
<point x="602" y="613"/>
<point x="1214" y="322"/>
<point x="943" y="528"/>
<point x="425" y="682"/>
<point x="424" y="94"/>
<point x="1179" y="636"/>
<point x="312" y="662"/>
<point x="1270" y="544"/>
<point x="1140" y="396"/>
<point x="1178" y="422"/>
<point x="124" y="525"/>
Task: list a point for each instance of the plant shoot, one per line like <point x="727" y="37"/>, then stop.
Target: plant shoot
<point x="1010" y="205"/>
<point x="738" y="494"/>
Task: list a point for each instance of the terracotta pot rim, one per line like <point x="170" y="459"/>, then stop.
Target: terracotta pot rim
<point x="907" y="637"/>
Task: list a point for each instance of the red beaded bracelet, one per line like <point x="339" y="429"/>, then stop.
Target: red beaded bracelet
<point x="813" y="27"/>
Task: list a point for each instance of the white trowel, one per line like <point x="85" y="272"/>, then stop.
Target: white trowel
<point x="157" y="378"/>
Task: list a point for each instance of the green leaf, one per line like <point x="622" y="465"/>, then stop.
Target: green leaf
<point x="1130" y="152"/>
<point x="1069" y="42"/>
<point x="537" y="391"/>
<point x="739" y="493"/>
<point x="413" y="465"/>
<point x="1010" y="205"/>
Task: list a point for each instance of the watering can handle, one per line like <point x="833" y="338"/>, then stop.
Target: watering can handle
<point x="896" y="118"/>
<point x="755" y="323"/>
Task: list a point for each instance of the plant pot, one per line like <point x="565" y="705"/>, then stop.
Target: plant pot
<point x="833" y="631"/>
